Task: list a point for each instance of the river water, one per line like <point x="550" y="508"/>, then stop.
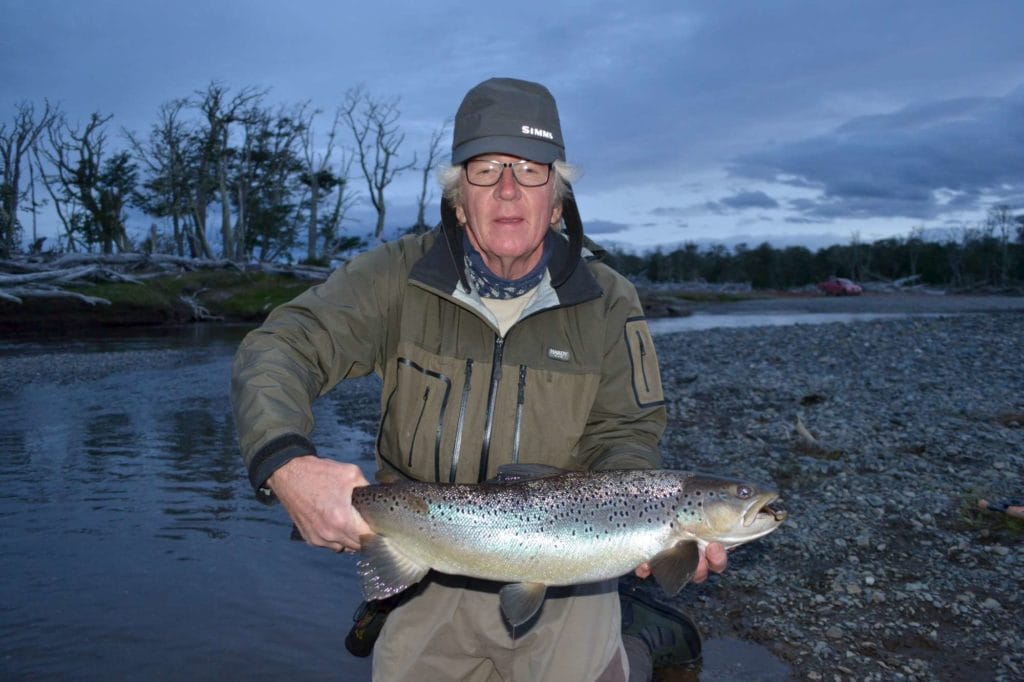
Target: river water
<point x="132" y="545"/>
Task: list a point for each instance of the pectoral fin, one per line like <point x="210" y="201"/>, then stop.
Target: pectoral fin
<point x="520" y="601"/>
<point x="383" y="570"/>
<point x="674" y="567"/>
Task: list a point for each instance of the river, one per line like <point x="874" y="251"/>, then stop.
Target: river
<point x="133" y="547"/>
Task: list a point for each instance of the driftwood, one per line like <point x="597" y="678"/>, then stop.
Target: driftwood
<point x="144" y="261"/>
<point x="18" y="294"/>
<point x="46" y="277"/>
<point x="807" y="443"/>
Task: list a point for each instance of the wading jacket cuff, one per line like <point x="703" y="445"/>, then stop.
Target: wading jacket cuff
<point x="272" y="457"/>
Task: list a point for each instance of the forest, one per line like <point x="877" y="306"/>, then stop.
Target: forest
<point x="224" y="174"/>
<point x="989" y="255"/>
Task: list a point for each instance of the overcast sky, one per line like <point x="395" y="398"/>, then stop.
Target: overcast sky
<point x="792" y="122"/>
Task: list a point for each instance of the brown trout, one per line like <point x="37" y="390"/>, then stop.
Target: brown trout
<point x="536" y="526"/>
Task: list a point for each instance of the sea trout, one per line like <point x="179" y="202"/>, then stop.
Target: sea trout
<point x="536" y="526"/>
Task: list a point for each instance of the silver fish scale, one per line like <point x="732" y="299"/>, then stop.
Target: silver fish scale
<point x="564" y="529"/>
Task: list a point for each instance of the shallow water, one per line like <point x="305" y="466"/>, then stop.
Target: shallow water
<point x="133" y="547"/>
<point x="699" y="321"/>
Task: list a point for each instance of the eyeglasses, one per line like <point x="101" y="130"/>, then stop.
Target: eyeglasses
<point x="487" y="173"/>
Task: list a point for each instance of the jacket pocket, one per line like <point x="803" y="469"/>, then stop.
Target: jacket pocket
<point x="646" y="373"/>
<point x="412" y="424"/>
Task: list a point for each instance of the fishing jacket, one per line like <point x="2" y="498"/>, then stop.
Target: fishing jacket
<point x="574" y="383"/>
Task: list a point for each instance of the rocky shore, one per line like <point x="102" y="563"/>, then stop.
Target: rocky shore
<point x="885" y="569"/>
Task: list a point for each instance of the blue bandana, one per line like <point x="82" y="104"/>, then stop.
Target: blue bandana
<point x="489" y="285"/>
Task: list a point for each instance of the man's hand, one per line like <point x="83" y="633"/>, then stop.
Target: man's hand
<point x="317" y="494"/>
<point x="713" y="558"/>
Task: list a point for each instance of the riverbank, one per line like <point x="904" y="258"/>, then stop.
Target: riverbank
<point x="885" y="569"/>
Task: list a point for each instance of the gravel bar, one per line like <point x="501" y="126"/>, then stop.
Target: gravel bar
<point x="885" y="569"/>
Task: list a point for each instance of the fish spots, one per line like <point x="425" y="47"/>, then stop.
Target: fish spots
<point x="418" y="504"/>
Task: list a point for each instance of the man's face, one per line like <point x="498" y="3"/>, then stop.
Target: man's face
<point x="507" y="222"/>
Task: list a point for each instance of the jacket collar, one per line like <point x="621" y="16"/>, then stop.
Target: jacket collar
<point x="442" y="267"/>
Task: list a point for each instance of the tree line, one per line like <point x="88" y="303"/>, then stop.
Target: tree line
<point x="990" y="254"/>
<point x="226" y="174"/>
<point x="217" y="163"/>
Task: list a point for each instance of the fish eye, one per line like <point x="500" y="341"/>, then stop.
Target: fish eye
<point x="744" y="492"/>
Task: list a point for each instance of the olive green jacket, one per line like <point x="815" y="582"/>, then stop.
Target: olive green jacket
<point x="574" y="383"/>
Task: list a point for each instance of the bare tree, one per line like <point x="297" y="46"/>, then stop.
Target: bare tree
<point x="319" y="177"/>
<point x="344" y="198"/>
<point x="374" y="125"/>
<point x="1001" y="222"/>
<point x="94" y="184"/>
<point x="915" y="243"/>
<point x="220" y="113"/>
<point x="265" y="179"/>
<point x="433" y="158"/>
<point x="167" y="190"/>
<point x="15" y="145"/>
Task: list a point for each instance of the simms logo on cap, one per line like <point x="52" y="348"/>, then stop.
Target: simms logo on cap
<point x="546" y="134"/>
<point x="491" y="118"/>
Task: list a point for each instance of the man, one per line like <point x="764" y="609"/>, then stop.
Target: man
<point x="499" y="339"/>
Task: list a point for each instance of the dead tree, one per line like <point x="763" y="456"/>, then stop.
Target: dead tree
<point x="374" y="125"/>
<point x="220" y="113"/>
<point x="94" y="184"/>
<point x="15" y="145"/>
<point x="433" y="158"/>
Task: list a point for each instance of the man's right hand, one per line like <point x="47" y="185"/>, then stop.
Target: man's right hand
<point x="317" y="494"/>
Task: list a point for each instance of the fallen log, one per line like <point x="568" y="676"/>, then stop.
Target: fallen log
<point x="18" y="294"/>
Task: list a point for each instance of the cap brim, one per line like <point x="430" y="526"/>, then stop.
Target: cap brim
<point x="525" y="148"/>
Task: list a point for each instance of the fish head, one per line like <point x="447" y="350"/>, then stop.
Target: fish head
<point x="728" y="511"/>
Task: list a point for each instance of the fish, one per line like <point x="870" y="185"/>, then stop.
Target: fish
<point x="535" y="527"/>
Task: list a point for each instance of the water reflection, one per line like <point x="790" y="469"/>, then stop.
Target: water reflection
<point x="132" y="544"/>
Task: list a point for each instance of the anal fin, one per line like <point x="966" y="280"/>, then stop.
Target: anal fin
<point x="675" y="566"/>
<point x="383" y="570"/>
<point x="520" y="601"/>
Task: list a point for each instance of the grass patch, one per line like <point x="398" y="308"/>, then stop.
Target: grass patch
<point x="229" y="294"/>
<point x="976" y="518"/>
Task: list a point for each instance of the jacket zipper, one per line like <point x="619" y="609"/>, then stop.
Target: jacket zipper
<point x="492" y="396"/>
<point x="520" y="401"/>
<point x="643" y="361"/>
<point x="462" y="420"/>
<point x="419" y="420"/>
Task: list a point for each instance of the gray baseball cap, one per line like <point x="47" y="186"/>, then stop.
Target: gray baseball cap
<point x="508" y="116"/>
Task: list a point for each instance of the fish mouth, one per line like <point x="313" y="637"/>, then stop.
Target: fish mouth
<point x="762" y="513"/>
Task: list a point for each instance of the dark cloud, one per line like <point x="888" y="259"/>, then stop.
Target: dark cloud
<point x="749" y="200"/>
<point x="604" y="227"/>
<point x="920" y="162"/>
<point x="670" y="212"/>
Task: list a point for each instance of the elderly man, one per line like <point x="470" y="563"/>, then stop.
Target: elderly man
<point x="500" y="338"/>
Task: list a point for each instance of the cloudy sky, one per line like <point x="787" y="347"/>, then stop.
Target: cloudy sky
<point x="792" y="122"/>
